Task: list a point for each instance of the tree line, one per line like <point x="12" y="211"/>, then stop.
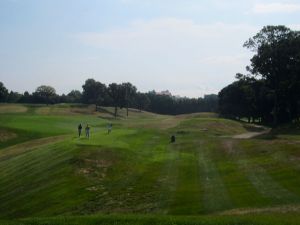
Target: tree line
<point x="270" y="92"/>
<point x="124" y="95"/>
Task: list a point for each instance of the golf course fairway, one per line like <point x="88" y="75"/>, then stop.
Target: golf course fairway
<point x="134" y="175"/>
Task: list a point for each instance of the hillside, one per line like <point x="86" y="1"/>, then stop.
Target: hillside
<point x="46" y="170"/>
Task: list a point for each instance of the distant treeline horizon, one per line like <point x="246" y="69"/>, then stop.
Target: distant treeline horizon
<point x="124" y="95"/>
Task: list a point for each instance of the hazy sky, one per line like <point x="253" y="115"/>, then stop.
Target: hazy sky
<point x="190" y="47"/>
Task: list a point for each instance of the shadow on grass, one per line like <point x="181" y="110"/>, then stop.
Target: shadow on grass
<point x="111" y="114"/>
<point x="269" y="136"/>
<point x="292" y="129"/>
<point x="20" y="136"/>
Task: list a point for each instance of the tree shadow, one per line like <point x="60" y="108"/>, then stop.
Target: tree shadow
<point x="111" y="114"/>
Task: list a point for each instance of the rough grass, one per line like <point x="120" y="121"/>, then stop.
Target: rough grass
<point x="6" y="135"/>
<point x="46" y="170"/>
<point x="65" y="109"/>
<point x="12" y="108"/>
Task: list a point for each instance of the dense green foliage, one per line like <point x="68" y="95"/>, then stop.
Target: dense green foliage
<point x="3" y="93"/>
<point x="270" y="93"/>
<point x="44" y="94"/>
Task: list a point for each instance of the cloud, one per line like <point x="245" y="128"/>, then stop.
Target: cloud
<point x="227" y="59"/>
<point x="265" y="8"/>
<point x="174" y="54"/>
<point x="167" y="33"/>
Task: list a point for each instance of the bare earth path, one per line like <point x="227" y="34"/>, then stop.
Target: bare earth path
<point x="249" y="135"/>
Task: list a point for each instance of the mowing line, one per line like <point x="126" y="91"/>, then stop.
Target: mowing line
<point x="24" y="147"/>
<point x="241" y="191"/>
<point x="168" y="178"/>
<point x="263" y="182"/>
<point x="187" y="196"/>
<point x="215" y="196"/>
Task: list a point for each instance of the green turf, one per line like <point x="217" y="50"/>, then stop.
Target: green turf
<point x="46" y="170"/>
<point x="267" y="219"/>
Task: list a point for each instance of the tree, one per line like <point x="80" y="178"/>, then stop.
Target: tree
<point x="116" y="94"/>
<point x="13" y="97"/>
<point x="93" y="92"/>
<point x="211" y="102"/>
<point x="128" y="92"/>
<point x="142" y="101"/>
<point x="45" y="94"/>
<point x="74" y="96"/>
<point x="237" y="100"/>
<point x="3" y="93"/>
<point x="26" y="98"/>
<point x="231" y="103"/>
<point x="163" y="104"/>
<point x="277" y="61"/>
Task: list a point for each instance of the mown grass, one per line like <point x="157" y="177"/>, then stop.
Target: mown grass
<point x="267" y="219"/>
<point x="39" y="181"/>
<point x="46" y="170"/>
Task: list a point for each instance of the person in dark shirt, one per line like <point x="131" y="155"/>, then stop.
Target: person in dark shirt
<point x="79" y="129"/>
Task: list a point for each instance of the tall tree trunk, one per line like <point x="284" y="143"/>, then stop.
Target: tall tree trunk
<point x="116" y="111"/>
<point x="127" y="109"/>
<point x="275" y="116"/>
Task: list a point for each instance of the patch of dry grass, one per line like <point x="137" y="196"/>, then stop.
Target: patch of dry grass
<point x="65" y="110"/>
<point x="6" y="135"/>
<point x="12" y="108"/>
<point x="275" y="209"/>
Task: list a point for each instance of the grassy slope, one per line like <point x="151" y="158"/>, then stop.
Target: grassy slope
<point x="136" y="170"/>
<point x="267" y="219"/>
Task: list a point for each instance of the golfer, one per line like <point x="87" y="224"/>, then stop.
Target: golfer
<point x="79" y="129"/>
<point x="87" y="131"/>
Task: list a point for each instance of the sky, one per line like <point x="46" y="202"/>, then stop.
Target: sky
<point x="189" y="47"/>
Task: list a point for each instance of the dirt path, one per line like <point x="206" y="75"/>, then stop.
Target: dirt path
<point x="249" y="135"/>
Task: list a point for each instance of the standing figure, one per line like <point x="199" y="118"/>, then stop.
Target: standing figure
<point x="87" y="131"/>
<point x="79" y="129"/>
<point x="109" y="128"/>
